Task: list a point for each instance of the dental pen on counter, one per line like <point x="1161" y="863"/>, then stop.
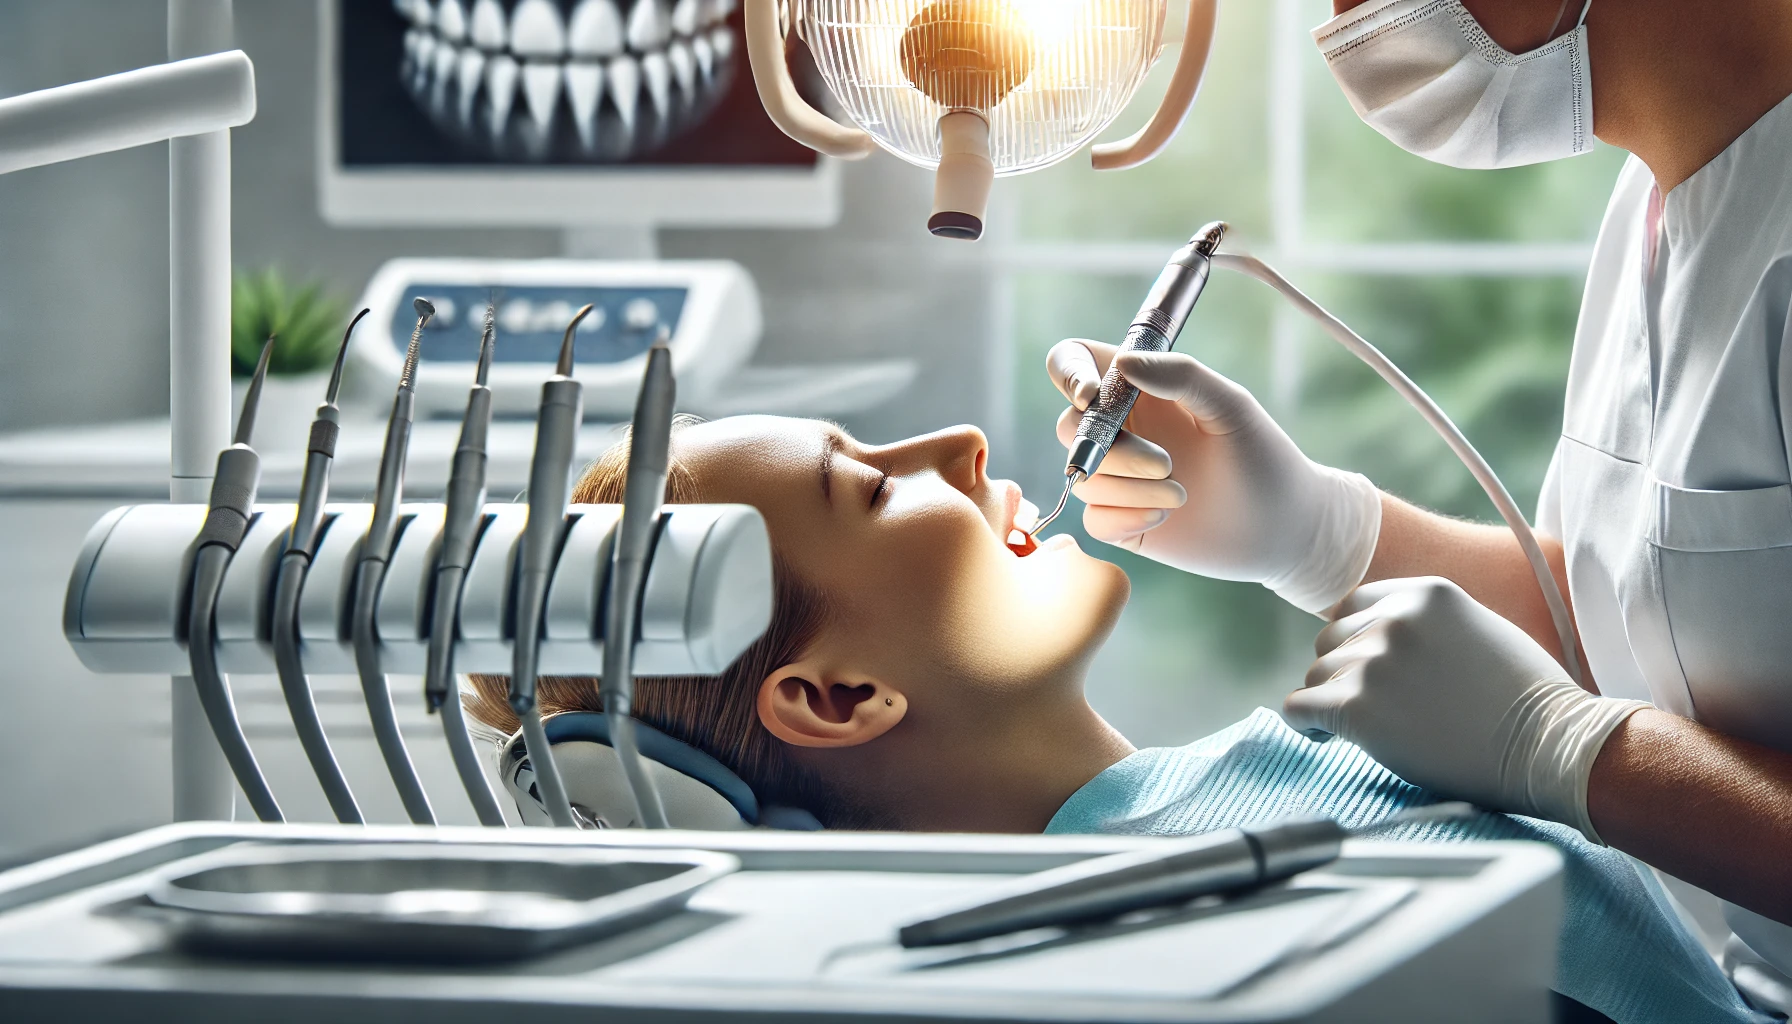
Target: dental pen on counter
<point x="226" y="522"/>
<point x="460" y="529"/>
<point x="295" y="564"/>
<point x="1154" y="329"/>
<point x="556" y="440"/>
<point x="644" y="494"/>
<point x="1227" y="861"/>
<point x="370" y="575"/>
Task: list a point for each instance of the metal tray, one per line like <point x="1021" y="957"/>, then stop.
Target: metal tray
<point x="422" y="901"/>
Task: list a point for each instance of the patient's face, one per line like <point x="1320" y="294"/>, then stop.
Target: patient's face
<point x="907" y="541"/>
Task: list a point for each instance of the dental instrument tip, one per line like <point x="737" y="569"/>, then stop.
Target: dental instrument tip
<point x="245" y="422"/>
<point x="424" y="307"/>
<point x="425" y="310"/>
<point x="341" y="354"/>
<point x="564" y="366"/>
<point x="1071" y="479"/>
<point x="486" y="337"/>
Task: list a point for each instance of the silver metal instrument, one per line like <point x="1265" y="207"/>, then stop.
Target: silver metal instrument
<point x="226" y="521"/>
<point x="1154" y="329"/>
<point x="370" y="574"/>
<point x="295" y="563"/>
<point x="556" y="437"/>
<point x="460" y="529"/>
<point x="649" y="457"/>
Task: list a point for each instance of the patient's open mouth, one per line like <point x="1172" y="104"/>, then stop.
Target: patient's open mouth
<point x="582" y="80"/>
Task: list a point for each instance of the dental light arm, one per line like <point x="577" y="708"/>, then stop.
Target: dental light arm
<point x="460" y="530"/>
<point x="370" y="574"/>
<point x="649" y="455"/>
<point x="1147" y="142"/>
<point x="226" y="521"/>
<point x="289" y="583"/>
<point x="556" y="437"/>
<point x="783" y="104"/>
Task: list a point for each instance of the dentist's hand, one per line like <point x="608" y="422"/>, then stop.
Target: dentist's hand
<point x="1204" y="480"/>
<point x="1454" y="698"/>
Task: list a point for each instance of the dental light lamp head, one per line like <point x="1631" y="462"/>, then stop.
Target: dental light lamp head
<point x="976" y="89"/>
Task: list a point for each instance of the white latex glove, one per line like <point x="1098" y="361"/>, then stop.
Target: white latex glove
<point x="1204" y="480"/>
<point x="1452" y="697"/>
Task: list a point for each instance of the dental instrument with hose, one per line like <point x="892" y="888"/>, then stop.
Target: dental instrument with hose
<point x="226" y="522"/>
<point x="289" y="583"/>
<point x="370" y="574"/>
<point x="460" y="530"/>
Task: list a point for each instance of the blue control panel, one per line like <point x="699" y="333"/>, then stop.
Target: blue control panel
<point x="531" y="320"/>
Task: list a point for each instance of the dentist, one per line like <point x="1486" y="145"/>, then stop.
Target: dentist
<point x="1666" y="511"/>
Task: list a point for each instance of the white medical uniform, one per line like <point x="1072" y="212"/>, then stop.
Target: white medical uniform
<point x="1670" y="486"/>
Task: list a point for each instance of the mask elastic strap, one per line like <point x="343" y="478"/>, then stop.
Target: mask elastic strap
<point x="1582" y="20"/>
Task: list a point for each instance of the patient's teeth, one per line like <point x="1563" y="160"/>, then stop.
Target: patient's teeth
<point x="1017" y="539"/>
<point x="684" y="66"/>
<point x="451" y="20"/>
<point x="500" y="89"/>
<point x="659" y="81"/>
<point x="541" y="87"/>
<point x="487" y="30"/>
<point x="685" y="14"/>
<point x="584" y="91"/>
<point x="625" y="87"/>
<point x="722" y="39"/>
<point x="536" y="30"/>
<point x="596" y="29"/>
<point x="648" y="25"/>
<point x="1027" y="516"/>
<point x="706" y="57"/>
<point x="471" y="70"/>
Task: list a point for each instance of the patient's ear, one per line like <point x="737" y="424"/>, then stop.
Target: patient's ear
<point x="799" y="705"/>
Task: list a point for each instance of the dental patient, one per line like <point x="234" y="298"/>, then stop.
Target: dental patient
<point x="923" y="673"/>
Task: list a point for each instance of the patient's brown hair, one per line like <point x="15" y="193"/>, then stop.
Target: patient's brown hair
<point x="716" y="714"/>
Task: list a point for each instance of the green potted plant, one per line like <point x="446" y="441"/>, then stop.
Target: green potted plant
<point x="307" y="321"/>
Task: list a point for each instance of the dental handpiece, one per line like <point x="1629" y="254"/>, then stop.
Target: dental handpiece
<point x="556" y="440"/>
<point x="226" y="522"/>
<point x="1159" y="321"/>
<point x="295" y="564"/>
<point x="460" y="529"/>
<point x="370" y="575"/>
<point x="644" y="493"/>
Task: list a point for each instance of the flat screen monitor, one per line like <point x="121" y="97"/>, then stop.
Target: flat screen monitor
<point x="553" y="113"/>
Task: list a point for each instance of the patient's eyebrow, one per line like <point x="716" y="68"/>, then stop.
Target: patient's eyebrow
<point x="830" y="447"/>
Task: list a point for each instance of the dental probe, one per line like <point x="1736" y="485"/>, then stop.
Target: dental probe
<point x="1227" y="861"/>
<point x="295" y="563"/>
<point x="556" y="439"/>
<point x="460" y="528"/>
<point x="1159" y="321"/>
<point x="370" y="574"/>
<point x="644" y="493"/>
<point x="226" y="521"/>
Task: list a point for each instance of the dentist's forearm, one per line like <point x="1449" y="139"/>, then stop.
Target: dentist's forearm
<point x="1483" y="560"/>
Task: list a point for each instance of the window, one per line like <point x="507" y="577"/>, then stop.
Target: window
<point x="1470" y="280"/>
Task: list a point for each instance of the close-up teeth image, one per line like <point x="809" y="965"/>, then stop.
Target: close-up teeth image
<point x="560" y="81"/>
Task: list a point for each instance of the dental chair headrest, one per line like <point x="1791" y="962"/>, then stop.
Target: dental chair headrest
<point x="699" y="792"/>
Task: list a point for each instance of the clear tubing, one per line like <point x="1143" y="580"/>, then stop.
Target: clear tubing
<point x="1440" y="421"/>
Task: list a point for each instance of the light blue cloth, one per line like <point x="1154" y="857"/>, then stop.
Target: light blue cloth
<point x="1623" y="951"/>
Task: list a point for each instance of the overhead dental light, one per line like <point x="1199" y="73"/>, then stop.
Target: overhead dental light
<point x="977" y="89"/>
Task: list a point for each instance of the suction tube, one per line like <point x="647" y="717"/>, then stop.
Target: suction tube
<point x="1440" y="421"/>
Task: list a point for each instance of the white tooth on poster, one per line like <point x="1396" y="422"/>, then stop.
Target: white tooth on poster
<point x="536" y="30"/>
<point x="584" y="91"/>
<point x="685" y="15"/>
<point x="721" y="39"/>
<point x="706" y="57"/>
<point x="500" y="89"/>
<point x="624" y="76"/>
<point x="468" y="76"/>
<point x="541" y="88"/>
<point x="684" y="66"/>
<point x="451" y="20"/>
<point x="649" y="26"/>
<point x="595" y="29"/>
<point x="726" y="8"/>
<point x="657" y="76"/>
<point x="410" y="48"/>
<point x="425" y="56"/>
<point x="445" y="59"/>
<point x="421" y="12"/>
<point x="488" y="28"/>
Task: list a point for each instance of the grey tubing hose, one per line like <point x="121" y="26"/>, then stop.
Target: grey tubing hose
<point x="550" y="787"/>
<point x="454" y="721"/>
<point x="299" y="702"/>
<point x="369" y="577"/>
<point x="214" y="696"/>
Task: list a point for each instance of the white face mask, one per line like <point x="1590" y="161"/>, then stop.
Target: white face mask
<point x="1426" y="75"/>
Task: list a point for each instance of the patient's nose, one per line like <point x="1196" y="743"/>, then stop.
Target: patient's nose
<point x="958" y="454"/>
